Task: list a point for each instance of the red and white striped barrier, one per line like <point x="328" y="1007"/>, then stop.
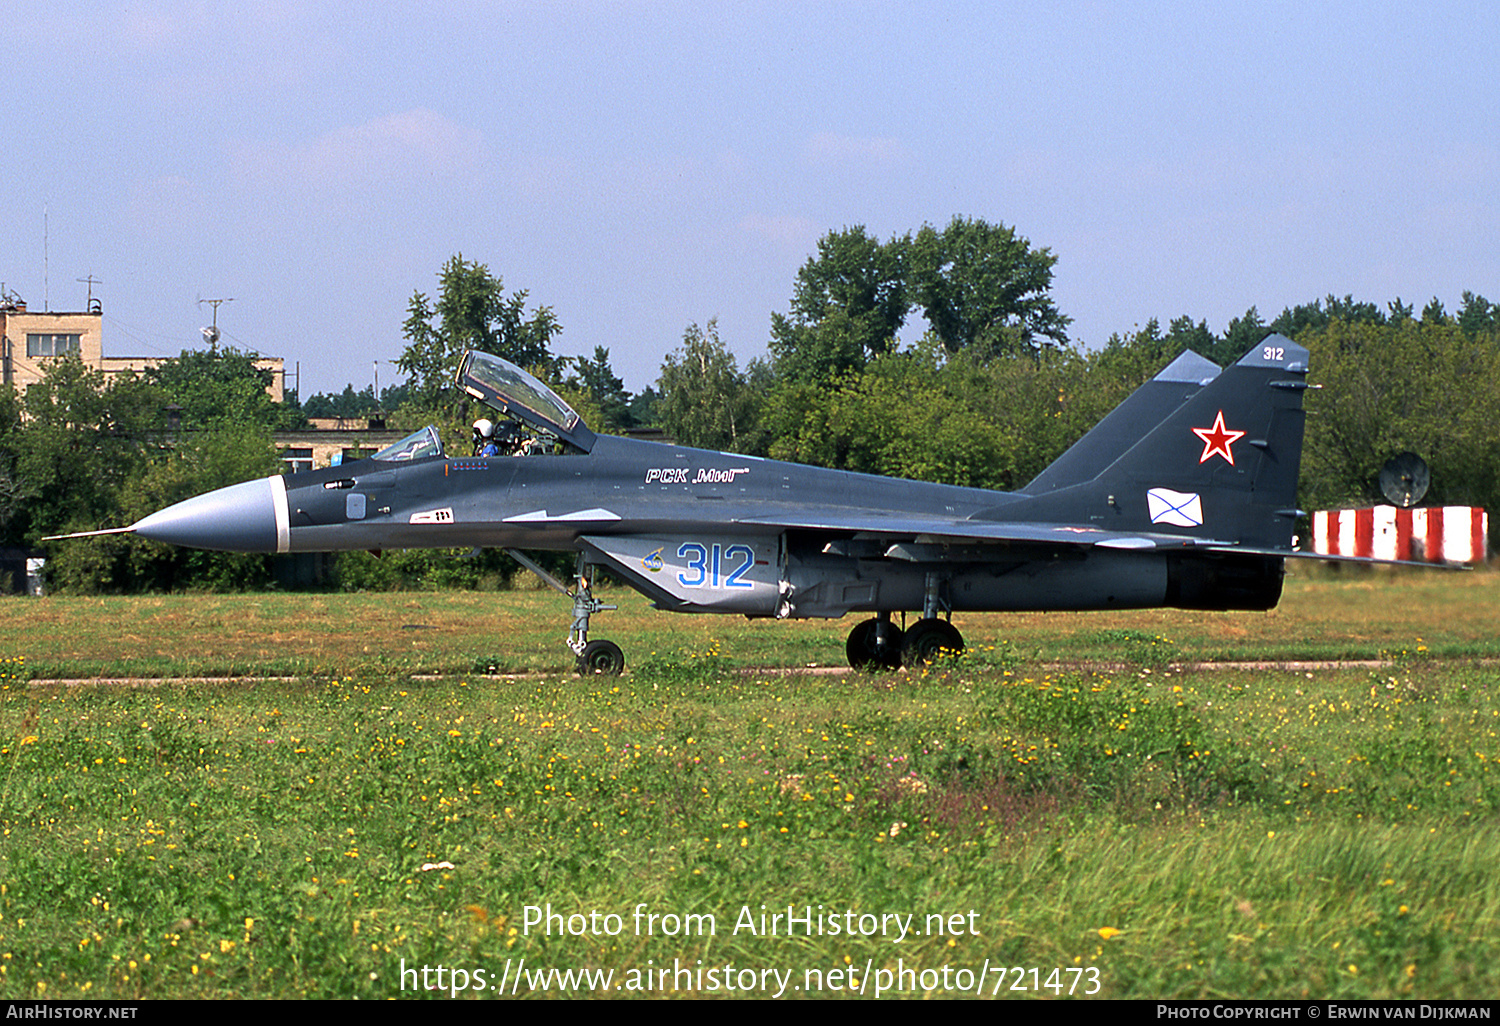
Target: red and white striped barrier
<point x="1437" y="534"/>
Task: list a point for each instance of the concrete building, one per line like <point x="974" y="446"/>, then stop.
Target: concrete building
<point x="330" y="440"/>
<point x="28" y="340"/>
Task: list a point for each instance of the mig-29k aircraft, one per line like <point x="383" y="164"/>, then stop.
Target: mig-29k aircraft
<point x="1183" y="496"/>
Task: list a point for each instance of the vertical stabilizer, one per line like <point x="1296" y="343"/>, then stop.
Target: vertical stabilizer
<point x="1144" y="408"/>
<point x="1219" y="464"/>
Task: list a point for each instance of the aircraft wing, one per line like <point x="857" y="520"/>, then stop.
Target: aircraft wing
<point x="945" y="529"/>
<point x="1001" y="535"/>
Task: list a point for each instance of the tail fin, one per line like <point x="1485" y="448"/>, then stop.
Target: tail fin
<point x="1219" y="465"/>
<point x="1144" y="408"/>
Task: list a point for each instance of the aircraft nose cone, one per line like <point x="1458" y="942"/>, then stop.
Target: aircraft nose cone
<point x="247" y="517"/>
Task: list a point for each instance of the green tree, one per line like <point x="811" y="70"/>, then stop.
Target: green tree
<point x="1137" y="355"/>
<point x="1427" y="388"/>
<point x="10" y="486"/>
<point x="81" y="438"/>
<point x="347" y="403"/>
<point x="848" y="303"/>
<point x="214" y="385"/>
<point x="820" y="351"/>
<point x="1319" y="313"/>
<point x="705" y="400"/>
<point x="921" y="413"/>
<point x="597" y="392"/>
<point x="900" y="416"/>
<point x="1478" y="316"/>
<point x="983" y="288"/>
<point x="643" y="407"/>
<point x="472" y="311"/>
<point x="90" y="452"/>
<point x="193" y="463"/>
<point x="1433" y="312"/>
<point x="1183" y="334"/>
<point x="1242" y="333"/>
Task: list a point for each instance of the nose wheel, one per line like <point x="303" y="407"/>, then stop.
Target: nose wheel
<point x="601" y="658"/>
<point x="598" y="657"/>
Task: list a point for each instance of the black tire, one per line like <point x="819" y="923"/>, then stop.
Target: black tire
<point x="926" y="640"/>
<point x="601" y="658"/>
<point x="875" y="645"/>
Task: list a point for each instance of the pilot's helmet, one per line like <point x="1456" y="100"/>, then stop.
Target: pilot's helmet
<point x="483" y="429"/>
<point x="508" y="432"/>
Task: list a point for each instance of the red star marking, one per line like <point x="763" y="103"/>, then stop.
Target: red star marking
<point x="1217" y="440"/>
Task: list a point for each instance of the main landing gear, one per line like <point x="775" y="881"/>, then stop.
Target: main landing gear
<point x="597" y="657"/>
<point x="878" y="644"/>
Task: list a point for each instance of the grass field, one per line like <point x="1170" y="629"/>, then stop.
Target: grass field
<point x="1322" y="616"/>
<point x="1064" y="799"/>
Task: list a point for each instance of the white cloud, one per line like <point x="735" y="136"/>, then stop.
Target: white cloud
<point x="794" y="233"/>
<point x="397" y="149"/>
<point x="169" y="25"/>
<point x="866" y="151"/>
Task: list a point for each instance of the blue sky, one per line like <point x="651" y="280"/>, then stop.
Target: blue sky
<point x="642" y="166"/>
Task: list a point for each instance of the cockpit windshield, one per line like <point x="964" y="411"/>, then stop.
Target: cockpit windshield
<point x="415" y="446"/>
<point x="503" y="386"/>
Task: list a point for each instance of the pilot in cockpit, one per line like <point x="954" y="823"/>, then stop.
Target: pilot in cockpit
<point x="484" y="438"/>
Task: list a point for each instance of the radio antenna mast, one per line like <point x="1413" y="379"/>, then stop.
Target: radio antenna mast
<point x="211" y="334"/>
<point x="92" y="281"/>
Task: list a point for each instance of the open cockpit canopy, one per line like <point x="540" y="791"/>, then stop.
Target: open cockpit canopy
<point x="506" y="388"/>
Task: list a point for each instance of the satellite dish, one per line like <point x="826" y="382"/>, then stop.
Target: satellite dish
<point x="1404" y="479"/>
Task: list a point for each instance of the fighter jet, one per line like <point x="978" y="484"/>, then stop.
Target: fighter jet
<point x="1183" y="496"/>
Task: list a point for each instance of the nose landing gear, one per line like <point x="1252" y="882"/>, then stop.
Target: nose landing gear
<point x="601" y="657"/>
<point x="597" y="657"/>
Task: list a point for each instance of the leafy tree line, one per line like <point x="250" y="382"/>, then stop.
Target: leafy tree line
<point x="352" y="405"/>
<point x="980" y="287"/>
<point x="1390" y="381"/>
<point x="989" y="393"/>
<point x="79" y="452"/>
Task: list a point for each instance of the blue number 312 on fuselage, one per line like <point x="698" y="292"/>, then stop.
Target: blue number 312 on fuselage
<point x="708" y="565"/>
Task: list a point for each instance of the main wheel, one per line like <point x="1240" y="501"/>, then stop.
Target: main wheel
<point x="875" y="645"/>
<point x="927" y="639"/>
<point x="601" y="658"/>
